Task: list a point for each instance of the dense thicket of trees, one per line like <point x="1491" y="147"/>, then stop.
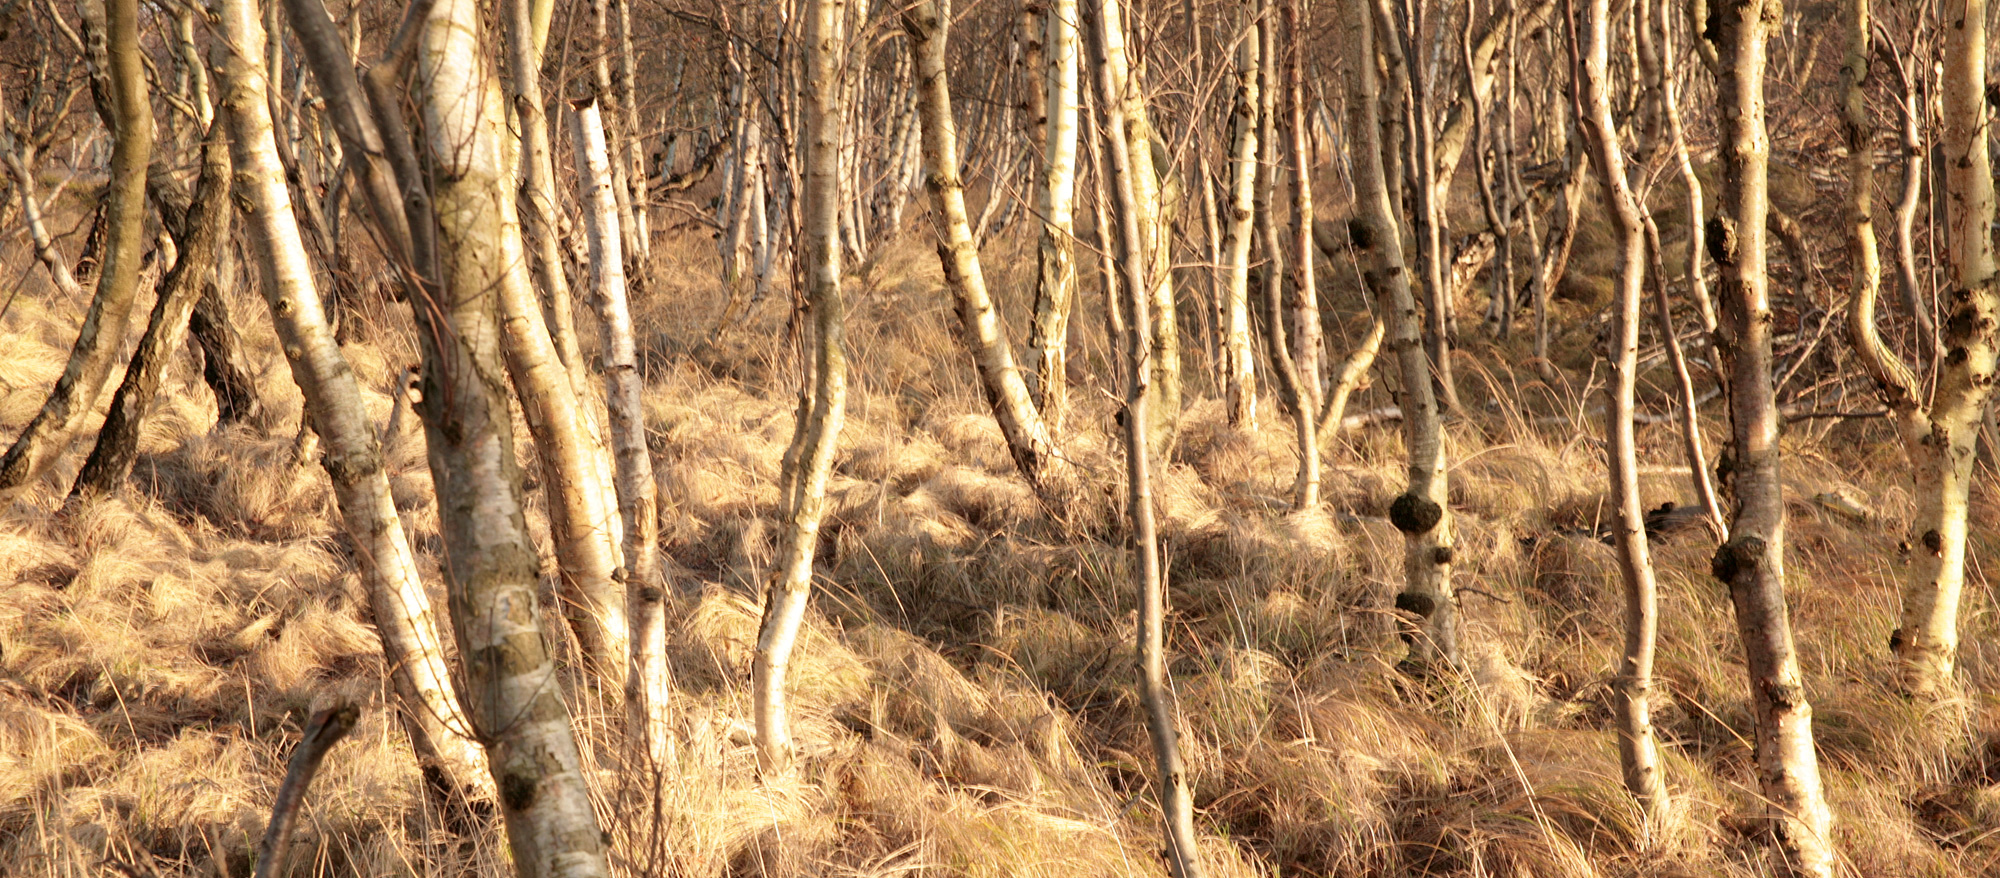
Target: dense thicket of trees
<point x="1248" y="198"/>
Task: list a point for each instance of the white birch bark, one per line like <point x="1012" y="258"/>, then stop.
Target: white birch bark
<point x="638" y="498"/>
<point x="1239" y="364"/>
<point x="1055" y="202"/>
<point x="821" y="411"/>
<point x="511" y="686"/>
<point x="440" y="732"/>
<point x="1027" y="435"/>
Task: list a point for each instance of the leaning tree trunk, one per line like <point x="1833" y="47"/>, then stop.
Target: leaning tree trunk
<point x="824" y="409"/>
<point x="1752" y="562"/>
<point x="104" y="325"/>
<point x="638" y="494"/>
<point x="1055" y="201"/>
<point x="1176" y="800"/>
<point x="1239" y="365"/>
<point x="204" y="229"/>
<point x="1423" y="512"/>
<point x="352" y="452"/>
<point x="1638" y="746"/>
<point x="511" y="687"/>
<point x="1026" y="433"/>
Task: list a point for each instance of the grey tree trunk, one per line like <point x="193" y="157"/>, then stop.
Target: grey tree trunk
<point x="1423" y="512"/>
<point x="204" y="228"/>
<point x="1176" y="801"/>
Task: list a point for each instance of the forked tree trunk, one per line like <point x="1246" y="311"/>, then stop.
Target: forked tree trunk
<point x="823" y="410"/>
<point x="205" y="227"/>
<point x="440" y="731"/>
<point x="1752" y="562"/>
<point x="1423" y="512"/>
<point x="1027" y="436"/>
<point x="1292" y="392"/>
<point x="1940" y="437"/>
<point x="104" y="325"/>
<point x="1239" y="365"/>
<point x="1055" y="203"/>
<point x="638" y="499"/>
<point x="1638" y="746"/>
<point x="1127" y="240"/>
<point x="511" y="687"/>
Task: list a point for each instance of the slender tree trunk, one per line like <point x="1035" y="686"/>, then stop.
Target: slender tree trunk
<point x="204" y="227"/>
<point x="1027" y="435"/>
<point x="1422" y="513"/>
<point x="638" y="501"/>
<point x="1638" y="747"/>
<point x="1353" y="371"/>
<point x="1751" y="563"/>
<point x="1055" y="193"/>
<point x="1292" y="391"/>
<point x="1305" y="292"/>
<point x="1176" y="802"/>
<point x="511" y="688"/>
<point x="440" y="731"/>
<point x="1155" y="225"/>
<point x="1239" y="361"/>
<point x="97" y="344"/>
<point x="825" y="408"/>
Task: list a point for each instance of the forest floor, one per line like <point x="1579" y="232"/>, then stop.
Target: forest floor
<point x="965" y="690"/>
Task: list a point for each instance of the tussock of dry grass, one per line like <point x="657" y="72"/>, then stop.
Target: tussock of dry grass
<point x="965" y="693"/>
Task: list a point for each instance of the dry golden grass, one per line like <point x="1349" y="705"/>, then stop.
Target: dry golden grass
<point x="965" y="691"/>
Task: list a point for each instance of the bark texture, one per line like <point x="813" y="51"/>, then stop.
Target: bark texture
<point x="511" y="688"/>
<point x="1752" y="562"/>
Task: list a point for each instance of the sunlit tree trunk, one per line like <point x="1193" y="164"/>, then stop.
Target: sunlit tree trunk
<point x="1305" y="287"/>
<point x="1176" y="801"/>
<point x="1423" y="512"/>
<point x="823" y="410"/>
<point x="638" y="498"/>
<point x="1055" y="202"/>
<point x="1239" y="362"/>
<point x="1752" y="562"/>
<point x="511" y="688"/>
<point x="1027" y="435"/>
<point x="1638" y="746"/>
<point x="440" y="731"/>
<point x="1129" y="101"/>
<point x="1940" y="438"/>
<point x="97" y="344"/>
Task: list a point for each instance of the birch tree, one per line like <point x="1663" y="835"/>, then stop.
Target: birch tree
<point x="823" y="409"/>
<point x="1939" y="433"/>
<point x="1239" y="367"/>
<point x="1752" y="562"/>
<point x="1027" y="434"/>
<point x="440" y="730"/>
<point x="1176" y="801"/>
<point x="1638" y="746"/>
<point x="511" y="690"/>
<point x="1055" y="203"/>
<point x="1422" y="513"/>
